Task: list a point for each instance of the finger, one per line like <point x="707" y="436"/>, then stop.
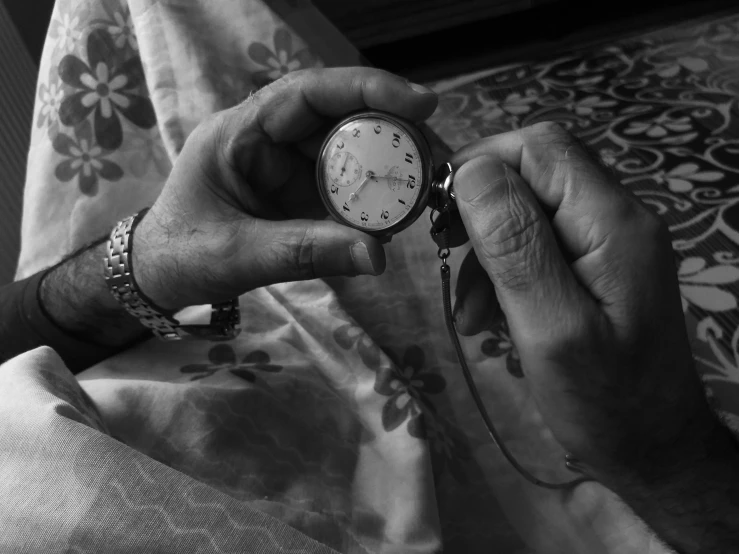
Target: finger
<point x="272" y="166"/>
<point x="457" y="232"/>
<point x="476" y="307"/>
<point x="294" y="250"/>
<point x="515" y="245"/>
<point x="298" y="196"/>
<point x="587" y="205"/>
<point x="292" y="108"/>
<point x="310" y="147"/>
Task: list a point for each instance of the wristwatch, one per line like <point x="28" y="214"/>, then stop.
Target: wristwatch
<point x="225" y="316"/>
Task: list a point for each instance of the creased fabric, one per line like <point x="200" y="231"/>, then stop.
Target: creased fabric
<point x="338" y="419"/>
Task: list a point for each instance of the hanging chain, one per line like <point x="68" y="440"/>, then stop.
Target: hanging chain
<point x="440" y="234"/>
<point x="440" y="230"/>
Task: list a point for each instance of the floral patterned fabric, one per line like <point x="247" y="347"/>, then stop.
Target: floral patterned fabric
<point x="338" y="420"/>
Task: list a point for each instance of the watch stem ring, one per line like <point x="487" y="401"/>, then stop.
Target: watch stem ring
<point x="442" y="187"/>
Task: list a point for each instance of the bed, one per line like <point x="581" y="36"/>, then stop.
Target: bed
<point x="338" y="420"/>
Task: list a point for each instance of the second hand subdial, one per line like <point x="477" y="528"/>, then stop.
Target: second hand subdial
<point x="344" y="169"/>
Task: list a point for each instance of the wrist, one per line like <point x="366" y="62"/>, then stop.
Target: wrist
<point x="150" y="267"/>
<point x="75" y="298"/>
<point x="122" y="266"/>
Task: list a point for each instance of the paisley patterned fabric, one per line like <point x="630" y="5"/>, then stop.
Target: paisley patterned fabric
<point x="338" y="419"/>
<point x="661" y="111"/>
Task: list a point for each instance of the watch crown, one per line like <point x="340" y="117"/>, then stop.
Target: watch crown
<point x="442" y="188"/>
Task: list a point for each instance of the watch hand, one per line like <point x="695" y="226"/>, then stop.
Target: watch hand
<point x="390" y="177"/>
<point x="367" y="179"/>
<point x="346" y="159"/>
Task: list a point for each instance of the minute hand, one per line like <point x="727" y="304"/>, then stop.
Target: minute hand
<point x="367" y="179"/>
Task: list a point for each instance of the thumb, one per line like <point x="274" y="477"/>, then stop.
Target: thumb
<point x="300" y="249"/>
<point x="516" y="246"/>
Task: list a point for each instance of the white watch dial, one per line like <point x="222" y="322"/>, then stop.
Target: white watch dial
<point x="372" y="171"/>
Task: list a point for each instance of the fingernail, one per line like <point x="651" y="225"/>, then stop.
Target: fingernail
<point x="477" y="175"/>
<point x="361" y="258"/>
<point x="420" y="89"/>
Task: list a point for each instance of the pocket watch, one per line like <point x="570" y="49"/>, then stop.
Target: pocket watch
<point x="375" y="172"/>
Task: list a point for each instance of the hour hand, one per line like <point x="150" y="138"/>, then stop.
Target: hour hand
<point x="354" y="195"/>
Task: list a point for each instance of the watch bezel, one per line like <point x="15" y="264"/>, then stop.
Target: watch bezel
<point x="427" y="170"/>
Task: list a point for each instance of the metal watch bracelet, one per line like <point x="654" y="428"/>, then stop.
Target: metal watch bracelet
<point x="225" y="316"/>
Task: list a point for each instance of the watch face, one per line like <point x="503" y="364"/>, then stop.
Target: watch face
<point x="371" y="171"/>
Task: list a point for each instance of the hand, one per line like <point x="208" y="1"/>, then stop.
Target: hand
<point x="389" y="178"/>
<point x="354" y="195"/>
<point x="240" y="209"/>
<point x="346" y="159"/>
<point x="584" y="274"/>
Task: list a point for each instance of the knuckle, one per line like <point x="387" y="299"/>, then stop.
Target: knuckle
<point x="209" y="126"/>
<point x="228" y="147"/>
<point x="550" y="134"/>
<point x="611" y="277"/>
<point x="570" y="150"/>
<point x="207" y="140"/>
<point x="293" y="79"/>
<point x="357" y="84"/>
<point x="550" y="129"/>
<point x="271" y="100"/>
<point x="552" y="145"/>
<point x="303" y="256"/>
<point x="235" y="127"/>
<point x="291" y="254"/>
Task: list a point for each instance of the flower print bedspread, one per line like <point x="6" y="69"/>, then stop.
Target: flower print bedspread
<point x="338" y="419"/>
